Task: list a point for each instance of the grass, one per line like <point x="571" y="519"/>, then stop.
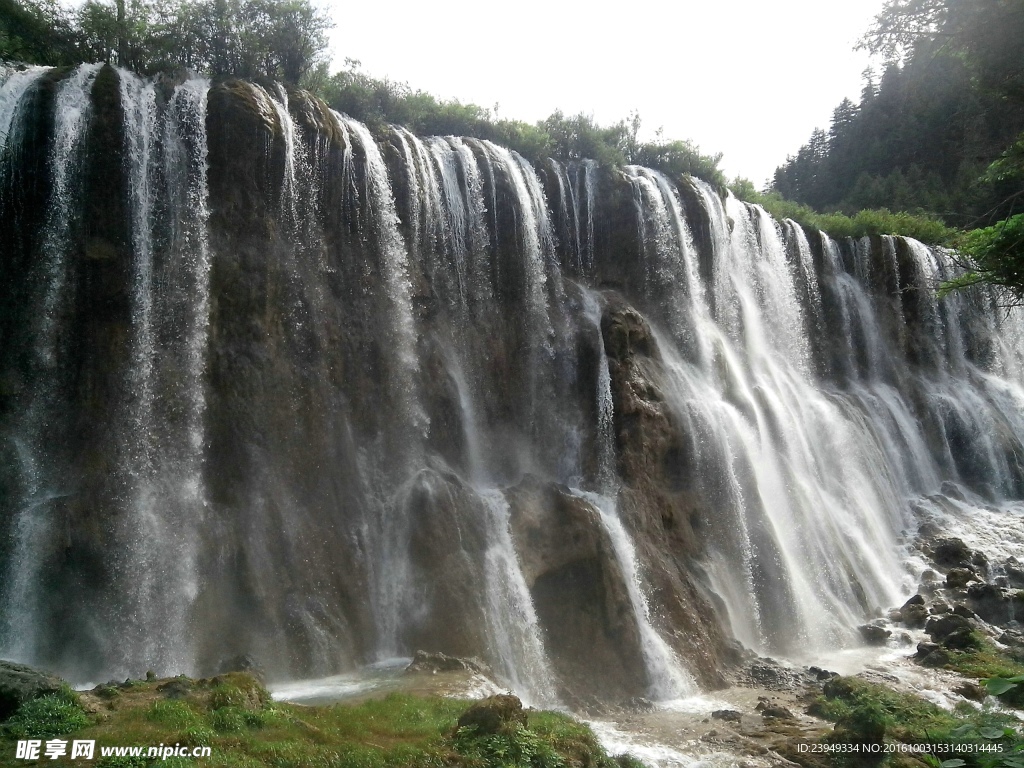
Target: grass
<point x="869" y="713"/>
<point x="235" y="716"/>
<point x="987" y="663"/>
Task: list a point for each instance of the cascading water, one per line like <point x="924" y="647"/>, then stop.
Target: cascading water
<point x="34" y="517"/>
<point x="352" y="379"/>
<point x="513" y="625"/>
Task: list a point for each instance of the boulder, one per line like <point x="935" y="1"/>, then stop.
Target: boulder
<point x="963" y="610"/>
<point x="952" y="490"/>
<point x="495" y="714"/>
<point x="775" y="712"/>
<point x="432" y="663"/>
<point x="960" y="639"/>
<point x="958" y="578"/>
<point x="939" y="627"/>
<point x="20" y="683"/>
<point x="913" y="613"/>
<point x="971" y="691"/>
<point x="950" y="552"/>
<point x="1014" y="573"/>
<point x="1011" y="637"/>
<point x="729" y="715"/>
<point x="993" y="604"/>
<point x="873" y="634"/>
<point x="924" y="648"/>
<point x="938" y="658"/>
<point x="938" y="608"/>
<point x="243" y="662"/>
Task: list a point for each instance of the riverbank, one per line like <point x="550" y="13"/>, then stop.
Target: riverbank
<point x="894" y="711"/>
<point x="236" y="718"/>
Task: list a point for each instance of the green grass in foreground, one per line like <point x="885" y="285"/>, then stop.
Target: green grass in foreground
<point x="869" y="713"/>
<point x="235" y="716"/>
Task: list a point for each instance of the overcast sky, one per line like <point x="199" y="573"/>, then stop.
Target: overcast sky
<point x="745" y="78"/>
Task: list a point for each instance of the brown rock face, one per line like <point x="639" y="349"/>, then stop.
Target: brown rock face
<point x="579" y="593"/>
<point x="659" y="503"/>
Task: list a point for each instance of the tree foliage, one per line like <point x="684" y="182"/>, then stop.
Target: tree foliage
<point x="281" y="39"/>
<point x="378" y="102"/>
<point x="950" y="100"/>
<point x="941" y="133"/>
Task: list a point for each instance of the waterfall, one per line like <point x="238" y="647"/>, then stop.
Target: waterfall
<point x="667" y="679"/>
<point x="349" y="377"/>
<point x="605" y="405"/>
<point x="512" y="620"/>
<point x="396" y="275"/>
<point x="34" y="518"/>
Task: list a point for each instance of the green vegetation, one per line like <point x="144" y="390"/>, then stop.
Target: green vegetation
<point x="46" y="717"/>
<point x="235" y="716"/>
<point x="280" y="39"/>
<point x="941" y="134"/>
<point x="380" y="102"/>
<point x="868" y="713"/>
<point x="927" y="229"/>
<point x="989" y="666"/>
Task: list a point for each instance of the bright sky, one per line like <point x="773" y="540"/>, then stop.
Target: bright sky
<point x="748" y="78"/>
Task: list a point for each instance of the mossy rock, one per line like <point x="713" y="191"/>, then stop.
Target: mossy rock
<point x="495" y="714"/>
<point x="20" y="684"/>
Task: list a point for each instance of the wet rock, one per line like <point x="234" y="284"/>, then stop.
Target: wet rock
<point x="1012" y="637"/>
<point x="937" y="658"/>
<point x="777" y="712"/>
<point x="971" y="691"/>
<point x="768" y="673"/>
<point x="939" y="627"/>
<point x="980" y="562"/>
<point x="20" y="683"/>
<point x="993" y="604"/>
<point x="178" y="688"/>
<point x="822" y="674"/>
<point x="579" y="591"/>
<point x="1014" y="573"/>
<point x="432" y="663"/>
<point x="960" y="639"/>
<point x="938" y="609"/>
<point x="914" y="613"/>
<point x="729" y="715"/>
<point x="495" y="714"/>
<point x="925" y="647"/>
<point x="950" y="552"/>
<point x="962" y="610"/>
<point x="958" y="578"/>
<point x="952" y="490"/>
<point x="242" y="663"/>
<point x="639" y="704"/>
<point x="928" y="577"/>
<point x="928" y="530"/>
<point x="873" y="635"/>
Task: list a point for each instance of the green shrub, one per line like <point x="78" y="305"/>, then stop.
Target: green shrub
<point x="53" y="715"/>
<point x="517" y="747"/>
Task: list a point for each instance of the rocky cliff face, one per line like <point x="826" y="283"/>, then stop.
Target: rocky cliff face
<point x="272" y="385"/>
